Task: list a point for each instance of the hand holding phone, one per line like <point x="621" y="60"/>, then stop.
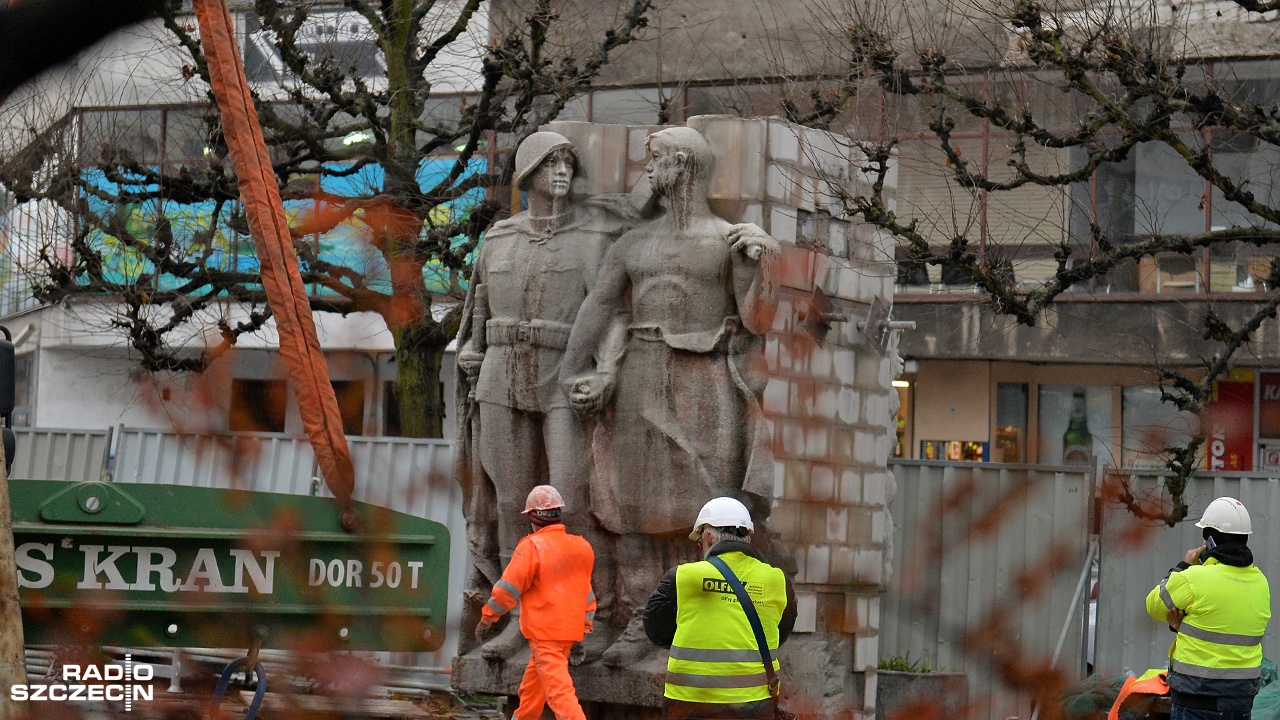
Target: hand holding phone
<point x="1194" y="556"/>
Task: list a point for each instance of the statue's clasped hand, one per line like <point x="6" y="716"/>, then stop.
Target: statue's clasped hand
<point x="752" y="241"/>
<point x="588" y="395"/>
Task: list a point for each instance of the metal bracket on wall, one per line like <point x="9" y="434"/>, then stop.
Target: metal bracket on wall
<point x="818" y="315"/>
<point x="878" y="329"/>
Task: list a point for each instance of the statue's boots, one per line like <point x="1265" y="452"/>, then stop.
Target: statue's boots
<point x="632" y="647"/>
<point x="596" y="643"/>
<point x="506" y="643"/>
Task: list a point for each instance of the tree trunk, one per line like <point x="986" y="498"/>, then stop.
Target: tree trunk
<point x="419" y="351"/>
<point x="13" y="670"/>
<point x="397" y="44"/>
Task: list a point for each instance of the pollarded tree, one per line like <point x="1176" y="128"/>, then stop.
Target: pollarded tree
<point x="1031" y="115"/>
<point x="388" y="178"/>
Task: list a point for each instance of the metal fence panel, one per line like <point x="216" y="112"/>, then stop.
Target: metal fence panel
<point x="1002" y="529"/>
<point x="58" y="454"/>
<point x="265" y="462"/>
<point x="402" y="474"/>
<point x="416" y="477"/>
<point x="1136" y="555"/>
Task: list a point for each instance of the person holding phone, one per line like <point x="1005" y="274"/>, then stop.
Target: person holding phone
<point x="1218" y="602"/>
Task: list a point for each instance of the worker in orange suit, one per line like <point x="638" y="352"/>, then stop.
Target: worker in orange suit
<point x="550" y="576"/>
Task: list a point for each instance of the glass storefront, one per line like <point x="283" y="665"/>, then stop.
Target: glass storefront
<point x="1011" y="422"/>
<point x="1075" y="424"/>
<point x="1116" y="416"/>
<point x="1149" y="426"/>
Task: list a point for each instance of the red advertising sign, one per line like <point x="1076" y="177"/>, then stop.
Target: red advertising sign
<point x="1228" y="424"/>
<point x="1269" y="406"/>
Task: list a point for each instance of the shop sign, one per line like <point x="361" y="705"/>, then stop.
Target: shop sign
<point x="1269" y="458"/>
<point x="165" y="565"/>
<point x="1269" y="405"/>
<point x="1229" y="427"/>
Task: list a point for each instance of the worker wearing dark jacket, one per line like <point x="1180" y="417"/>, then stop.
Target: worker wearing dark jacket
<point x="1219" y="603"/>
<point x="715" y="669"/>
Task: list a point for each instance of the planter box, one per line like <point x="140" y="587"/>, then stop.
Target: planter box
<point x="898" y="690"/>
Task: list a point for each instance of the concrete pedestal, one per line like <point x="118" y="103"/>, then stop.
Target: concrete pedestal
<point x="817" y="683"/>
<point x="943" y="692"/>
<point x="634" y="692"/>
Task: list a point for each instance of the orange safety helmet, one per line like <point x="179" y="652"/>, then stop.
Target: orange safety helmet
<point x="543" y="497"/>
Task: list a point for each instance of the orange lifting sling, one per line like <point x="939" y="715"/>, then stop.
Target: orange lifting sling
<point x="281" y="278"/>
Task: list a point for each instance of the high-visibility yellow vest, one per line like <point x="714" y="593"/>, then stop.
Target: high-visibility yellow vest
<point x="714" y="656"/>
<point x="1227" y="611"/>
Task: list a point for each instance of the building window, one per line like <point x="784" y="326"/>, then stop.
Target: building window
<point x="1011" y="422"/>
<point x="1152" y="191"/>
<point x="902" y="419"/>
<point x="742" y="100"/>
<point x="627" y="107"/>
<point x="257" y="406"/>
<point x="390" y="410"/>
<point x="1149" y="426"/>
<point x="956" y="450"/>
<point x="1075" y="424"/>
<point x="24" y="376"/>
<point x="134" y="133"/>
<point x="350" y="395"/>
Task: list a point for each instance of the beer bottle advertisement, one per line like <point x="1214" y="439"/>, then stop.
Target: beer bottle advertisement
<point x="1077" y="441"/>
<point x="1075" y="424"/>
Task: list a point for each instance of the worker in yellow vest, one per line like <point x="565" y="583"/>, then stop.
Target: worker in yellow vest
<point x="1218" y="602"/>
<point x="716" y="665"/>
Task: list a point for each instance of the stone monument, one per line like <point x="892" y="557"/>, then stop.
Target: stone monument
<point x="693" y="374"/>
<point x="685" y="425"/>
<point x="532" y="273"/>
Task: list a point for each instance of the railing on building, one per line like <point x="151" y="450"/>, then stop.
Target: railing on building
<point x="402" y="474"/>
<point x="987" y="553"/>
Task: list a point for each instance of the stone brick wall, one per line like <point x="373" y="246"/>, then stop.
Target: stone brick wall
<point x="829" y="405"/>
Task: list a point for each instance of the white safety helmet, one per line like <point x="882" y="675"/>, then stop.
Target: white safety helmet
<point x="1227" y="515"/>
<point x="722" y="512"/>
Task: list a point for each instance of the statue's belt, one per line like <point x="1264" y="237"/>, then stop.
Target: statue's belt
<point x="719" y="340"/>
<point x="555" y="336"/>
<point x="543" y="334"/>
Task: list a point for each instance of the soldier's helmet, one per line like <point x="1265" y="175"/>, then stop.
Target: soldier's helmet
<point x="536" y="148"/>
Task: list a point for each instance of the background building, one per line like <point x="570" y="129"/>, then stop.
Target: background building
<point x="978" y="386"/>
